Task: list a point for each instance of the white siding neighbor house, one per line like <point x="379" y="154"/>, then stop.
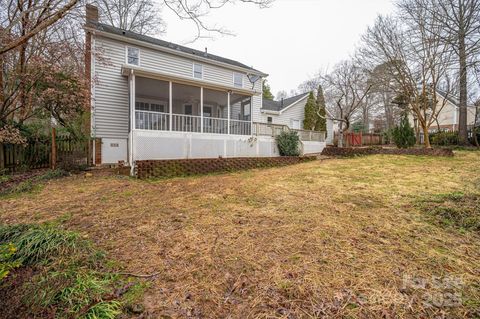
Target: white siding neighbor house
<point x="154" y="100"/>
<point x="448" y="117"/>
<point x="291" y="112"/>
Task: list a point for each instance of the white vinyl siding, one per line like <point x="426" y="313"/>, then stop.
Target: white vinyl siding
<point x="111" y="104"/>
<point x="295" y="112"/>
<point x="111" y="99"/>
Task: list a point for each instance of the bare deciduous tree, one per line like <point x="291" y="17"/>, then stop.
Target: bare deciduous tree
<point x="140" y="16"/>
<point x="346" y="89"/>
<point x="415" y="57"/>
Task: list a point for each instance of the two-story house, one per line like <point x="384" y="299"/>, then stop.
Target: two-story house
<point x="153" y="100"/>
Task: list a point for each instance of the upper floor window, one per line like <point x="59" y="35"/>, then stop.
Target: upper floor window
<point x="198" y="71"/>
<point x="238" y="80"/>
<point x="133" y="56"/>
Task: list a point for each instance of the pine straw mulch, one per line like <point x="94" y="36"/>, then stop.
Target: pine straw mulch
<point x="337" y="238"/>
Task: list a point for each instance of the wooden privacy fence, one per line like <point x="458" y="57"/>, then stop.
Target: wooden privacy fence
<point x="38" y="154"/>
<point x="359" y="139"/>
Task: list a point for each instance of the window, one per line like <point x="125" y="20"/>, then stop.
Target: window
<point x="133" y="56"/>
<point x="207" y="111"/>
<point x="238" y="80"/>
<point x="150" y="107"/>
<point x="269" y="120"/>
<point x="295" y="124"/>
<point x="197" y="71"/>
<point x="188" y="109"/>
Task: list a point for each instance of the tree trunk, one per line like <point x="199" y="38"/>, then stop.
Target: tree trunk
<point x="426" y="138"/>
<point x="462" y="118"/>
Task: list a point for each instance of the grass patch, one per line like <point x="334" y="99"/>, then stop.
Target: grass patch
<point x="456" y="209"/>
<point x="29" y="184"/>
<point x="59" y="273"/>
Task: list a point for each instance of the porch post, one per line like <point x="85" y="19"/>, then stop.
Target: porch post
<point x="132" y="119"/>
<point x="170" y="106"/>
<point x="228" y="112"/>
<point x="201" y="109"/>
<point x="251" y="115"/>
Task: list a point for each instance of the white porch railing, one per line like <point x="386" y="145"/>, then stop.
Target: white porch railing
<point x="238" y="127"/>
<point x="275" y="129"/>
<point x="158" y="121"/>
<point x="186" y="123"/>
<point x="145" y="120"/>
<point x="215" y="125"/>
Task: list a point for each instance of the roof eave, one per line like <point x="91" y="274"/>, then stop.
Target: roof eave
<point x="171" y="51"/>
<point x="165" y="76"/>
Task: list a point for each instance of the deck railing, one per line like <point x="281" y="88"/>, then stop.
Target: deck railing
<point x="238" y="127"/>
<point x="186" y="123"/>
<point x="215" y="125"/>
<point x="159" y="121"/>
<point x="145" y="120"/>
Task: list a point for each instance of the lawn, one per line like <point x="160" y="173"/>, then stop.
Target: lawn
<point x="336" y="238"/>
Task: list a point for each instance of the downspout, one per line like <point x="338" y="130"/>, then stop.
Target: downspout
<point x="131" y="79"/>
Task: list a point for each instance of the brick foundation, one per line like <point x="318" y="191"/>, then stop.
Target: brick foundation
<point x="353" y="151"/>
<point x="186" y="167"/>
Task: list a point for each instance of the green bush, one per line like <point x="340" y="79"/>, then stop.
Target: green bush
<point x="444" y="138"/>
<point x="6" y="262"/>
<point x="404" y="135"/>
<point x="288" y="143"/>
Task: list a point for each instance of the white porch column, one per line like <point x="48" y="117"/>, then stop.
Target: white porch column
<point x="170" y="106"/>
<point x="132" y="118"/>
<point x="201" y="109"/>
<point x="251" y="115"/>
<point x="228" y="112"/>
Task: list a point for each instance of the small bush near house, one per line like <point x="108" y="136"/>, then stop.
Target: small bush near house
<point x="288" y="143"/>
<point x="444" y="138"/>
<point x="404" y="135"/>
<point x="55" y="272"/>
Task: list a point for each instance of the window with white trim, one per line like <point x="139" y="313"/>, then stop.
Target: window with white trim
<point x="133" y="56"/>
<point x="269" y="120"/>
<point x="197" y="71"/>
<point x="238" y="80"/>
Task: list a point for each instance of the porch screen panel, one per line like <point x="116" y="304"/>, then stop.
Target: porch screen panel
<point x="186" y="108"/>
<point x="215" y="111"/>
<point x="151" y="104"/>
<point x="240" y="114"/>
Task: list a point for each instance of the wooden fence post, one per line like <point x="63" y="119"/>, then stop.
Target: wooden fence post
<point x="54" y="149"/>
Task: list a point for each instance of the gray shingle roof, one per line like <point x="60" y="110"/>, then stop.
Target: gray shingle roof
<point x="278" y="105"/>
<point x="170" y="45"/>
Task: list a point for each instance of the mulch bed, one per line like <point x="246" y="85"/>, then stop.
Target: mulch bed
<point x="353" y="151"/>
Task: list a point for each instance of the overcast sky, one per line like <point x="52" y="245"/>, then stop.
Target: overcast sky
<point x="290" y="41"/>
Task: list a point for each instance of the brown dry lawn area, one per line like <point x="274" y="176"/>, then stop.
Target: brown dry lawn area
<point x="323" y="239"/>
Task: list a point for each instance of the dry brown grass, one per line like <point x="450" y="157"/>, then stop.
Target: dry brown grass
<point x="332" y="238"/>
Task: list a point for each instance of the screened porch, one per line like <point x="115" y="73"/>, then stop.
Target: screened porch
<point x="169" y="106"/>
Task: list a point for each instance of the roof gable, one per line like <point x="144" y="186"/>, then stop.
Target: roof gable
<point x="280" y="106"/>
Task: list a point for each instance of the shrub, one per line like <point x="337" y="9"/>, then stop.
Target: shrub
<point x="404" y="135"/>
<point x="444" y="138"/>
<point x="6" y="263"/>
<point x="288" y="143"/>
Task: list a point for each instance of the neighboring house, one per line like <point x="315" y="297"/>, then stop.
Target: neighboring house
<point x="152" y="99"/>
<point x="448" y="117"/>
<point x="291" y="112"/>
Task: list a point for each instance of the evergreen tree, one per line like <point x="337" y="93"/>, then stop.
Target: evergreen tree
<point x="404" y="135"/>
<point x="321" y="123"/>
<point x="267" y="93"/>
<point x="310" y="113"/>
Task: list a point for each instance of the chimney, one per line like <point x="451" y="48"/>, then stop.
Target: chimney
<point x="206" y="51"/>
<point x="91" y="15"/>
<point x="282" y="102"/>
